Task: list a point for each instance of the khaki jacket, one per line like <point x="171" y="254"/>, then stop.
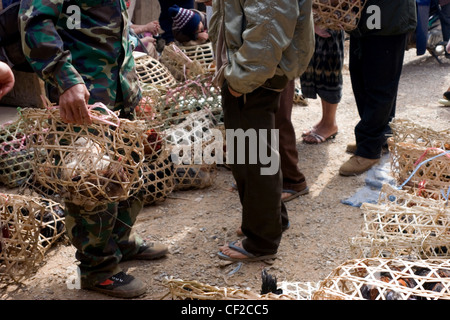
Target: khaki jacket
<point x="261" y="39"/>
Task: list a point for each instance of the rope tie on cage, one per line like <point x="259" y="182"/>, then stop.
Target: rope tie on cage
<point x="444" y="153"/>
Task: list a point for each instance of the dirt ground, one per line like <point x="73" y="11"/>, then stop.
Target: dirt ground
<point x="195" y="223"/>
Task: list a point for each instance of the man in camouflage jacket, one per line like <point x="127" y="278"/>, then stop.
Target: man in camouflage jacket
<point x="81" y="49"/>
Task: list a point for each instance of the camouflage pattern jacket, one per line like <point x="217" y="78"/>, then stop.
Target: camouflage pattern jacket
<point x="82" y="41"/>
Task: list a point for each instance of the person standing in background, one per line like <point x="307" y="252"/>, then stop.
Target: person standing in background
<point x="268" y="43"/>
<point x="165" y="18"/>
<point x="444" y="17"/>
<point x="375" y="63"/>
<point x="323" y="78"/>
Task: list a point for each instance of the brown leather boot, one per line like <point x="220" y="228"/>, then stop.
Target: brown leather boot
<point x="357" y="165"/>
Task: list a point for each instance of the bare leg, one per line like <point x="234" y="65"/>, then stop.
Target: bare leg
<point x="327" y="126"/>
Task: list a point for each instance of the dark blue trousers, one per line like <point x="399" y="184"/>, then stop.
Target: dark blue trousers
<point x="375" y="64"/>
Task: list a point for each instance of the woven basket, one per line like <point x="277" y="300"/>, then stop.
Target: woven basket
<point x="33" y="188"/>
<point x="190" y="96"/>
<point x="203" y="53"/>
<point x="158" y="178"/>
<point x="53" y="225"/>
<point x="299" y="290"/>
<point x="412" y="148"/>
<point x="194" y="176"/>
<point x="15" y="157"/>
<point x="390" y="195"/>
<point x="387" y="279"/>
<point x="20" y="225"/>
<point x="179" y="64"/>
<point x="194" y="143"/>
<point x="194" y="290"/>
<point x="402" y="224"/>
<point x="151" y="71"/>
<point x="404" y="130"/>
<point x="337" y="14"/>
<point x="87" y="164"/>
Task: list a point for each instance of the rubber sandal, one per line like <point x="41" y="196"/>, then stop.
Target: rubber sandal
<point x="249" y="256"/>
<point x="318" y="138"/>
<point x="444" y="102"/>
<point x="294" y="194"/>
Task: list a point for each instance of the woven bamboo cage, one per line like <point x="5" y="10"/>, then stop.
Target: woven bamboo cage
<point x="154" y="143"/>
<point x="15" y="157"/>
<point x="152" y="71"/>
<point x="179" y="64"/>
<point x="158" y="178"/>
<point x="387" y="279"/>
<point x="196" y="147"/>
<point x="404" y="130"/>
<point x="20" y="226"/>
<point x="194" y="176"/>
<point x="420" y="157"/>
<point x="203" y="53"/>
<point x="190" y="96"/>
<point x="33" y="188"/>
<point x="86" y="164"/>
<point x="53" y="225"/>
<point x="299" y="290"/>
<point x="390" y="195"/>
<point x="337" y="14"/>
<point x="401" y="224"/>
<point x="147" y="109"/>
<point x="195" y="290"/>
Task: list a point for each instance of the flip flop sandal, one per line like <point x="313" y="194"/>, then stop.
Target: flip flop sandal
<point x="249" y="256"/>
<point x="445" y="102"/>
<point x="294" y="194"/>
<point x="318" y="138"/>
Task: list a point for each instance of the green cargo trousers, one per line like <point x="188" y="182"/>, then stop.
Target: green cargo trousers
<point x="103" y="237"/>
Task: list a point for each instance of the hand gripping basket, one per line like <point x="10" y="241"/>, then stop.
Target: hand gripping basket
<point x="337" y="14"/>
<point x="87" y="165"/>
<point x="387" y="279"/>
